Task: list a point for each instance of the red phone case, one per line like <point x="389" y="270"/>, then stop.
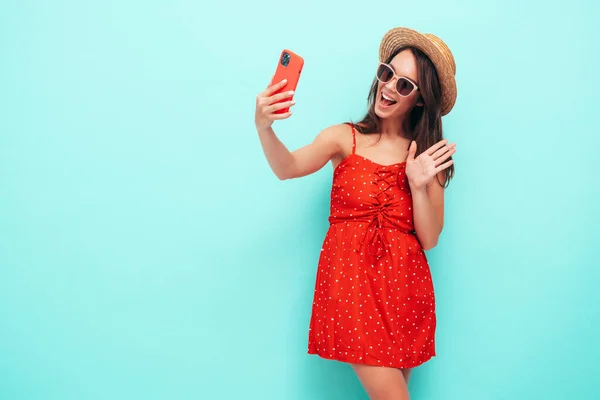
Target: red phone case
<point x="289" y="67"/>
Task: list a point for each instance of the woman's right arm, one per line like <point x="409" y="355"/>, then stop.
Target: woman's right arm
<point x="286" y="164"/>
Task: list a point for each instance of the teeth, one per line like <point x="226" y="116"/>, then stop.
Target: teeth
<point x="387" y="97"/>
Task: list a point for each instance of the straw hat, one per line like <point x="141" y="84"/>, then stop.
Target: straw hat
<point x="434" y="48"/>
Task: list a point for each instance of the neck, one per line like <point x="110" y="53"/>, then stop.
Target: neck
<point x="393" y="127"/>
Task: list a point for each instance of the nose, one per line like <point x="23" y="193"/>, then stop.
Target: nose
<point x="391" y="85"/>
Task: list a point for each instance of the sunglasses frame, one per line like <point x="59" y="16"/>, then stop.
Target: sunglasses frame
<point x="397" y="77"/>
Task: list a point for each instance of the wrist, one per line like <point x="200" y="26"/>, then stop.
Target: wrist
<point x="263" y="129"/>
<point x="417" y="188"/>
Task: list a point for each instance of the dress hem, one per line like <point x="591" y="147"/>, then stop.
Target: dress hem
<point x="354" y="359"/>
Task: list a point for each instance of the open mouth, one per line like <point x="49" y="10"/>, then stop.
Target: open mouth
<point x="386" y="101"/>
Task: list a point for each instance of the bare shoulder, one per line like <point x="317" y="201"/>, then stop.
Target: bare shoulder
<point x="339" y="136"/>
<point x="335" y="133"/>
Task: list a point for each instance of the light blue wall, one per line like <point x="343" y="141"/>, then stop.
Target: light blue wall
<point x="147" y="251"/>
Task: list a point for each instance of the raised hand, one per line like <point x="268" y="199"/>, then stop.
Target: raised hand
<point x="421" y="170"/>
<point x="267" y="104"/>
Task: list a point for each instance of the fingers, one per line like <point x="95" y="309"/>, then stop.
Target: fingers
<point x="443" y="154"/>
<point x="278" y="97"/>
<point x="268" y="105"/>
<point x="279" y="106"/>
<point x="436" y="147"/>
<point x="444" y="166"/>
<point x="443" y="150"/>
<point x="281" y="116"/>
<point x="273" y="88"/>
<point x="412" y="150"/>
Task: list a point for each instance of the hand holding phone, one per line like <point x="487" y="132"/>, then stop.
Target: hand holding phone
<point x="275" y="102"/>
<point x="289" y="68"/>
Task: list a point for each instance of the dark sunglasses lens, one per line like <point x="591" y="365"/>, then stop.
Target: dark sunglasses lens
<point x="384" y="73"/>
<point x="404" y="87"/>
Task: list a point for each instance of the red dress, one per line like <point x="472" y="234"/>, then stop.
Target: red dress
<point x="373" y="302"/>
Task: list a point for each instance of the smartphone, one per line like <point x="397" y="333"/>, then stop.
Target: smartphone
<point x="289" y="67"/>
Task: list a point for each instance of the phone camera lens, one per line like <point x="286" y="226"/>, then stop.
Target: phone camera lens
<point x="285" y="59"/>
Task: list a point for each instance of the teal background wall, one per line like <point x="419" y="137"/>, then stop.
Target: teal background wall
<point x="147" y="251"/>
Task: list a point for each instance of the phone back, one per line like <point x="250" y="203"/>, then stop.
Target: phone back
<point x="289" y="67"/>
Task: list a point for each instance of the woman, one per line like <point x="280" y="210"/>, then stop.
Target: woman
<point x="374" y="304"/>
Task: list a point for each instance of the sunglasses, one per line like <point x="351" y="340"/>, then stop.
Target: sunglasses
<point x="404" y="86"/>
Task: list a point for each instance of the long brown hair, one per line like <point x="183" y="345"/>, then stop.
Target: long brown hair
<point x="424" y="123"/>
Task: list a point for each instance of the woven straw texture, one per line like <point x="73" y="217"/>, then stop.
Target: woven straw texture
<point x="435" y="49"/>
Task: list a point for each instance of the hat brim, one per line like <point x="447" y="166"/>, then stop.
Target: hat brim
<point x="400" y="37"/>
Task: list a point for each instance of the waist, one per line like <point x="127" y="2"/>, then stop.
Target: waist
<point x="377" y="221"/>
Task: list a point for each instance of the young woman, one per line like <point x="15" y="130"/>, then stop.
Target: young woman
<point x="374" y="304"/>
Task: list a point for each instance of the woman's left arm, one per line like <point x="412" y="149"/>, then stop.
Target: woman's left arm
<point x="425" y="173"/>
<point x="428" y="212"/>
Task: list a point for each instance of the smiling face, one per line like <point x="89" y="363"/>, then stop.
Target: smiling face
<point x="389" y="103"/>
<point x="417" y="116"/>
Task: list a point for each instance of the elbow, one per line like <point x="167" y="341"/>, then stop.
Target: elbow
<point x="283" y="176"/>
<point x="430" y="240"/>
<point x="430" y="244"/>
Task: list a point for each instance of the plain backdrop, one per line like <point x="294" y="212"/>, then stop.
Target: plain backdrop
<point x="148" y="252"/>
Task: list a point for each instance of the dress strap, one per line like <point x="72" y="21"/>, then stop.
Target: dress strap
<point x="353" y="138"/>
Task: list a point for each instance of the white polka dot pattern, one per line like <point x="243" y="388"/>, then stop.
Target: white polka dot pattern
<point x="374" y="300"/>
